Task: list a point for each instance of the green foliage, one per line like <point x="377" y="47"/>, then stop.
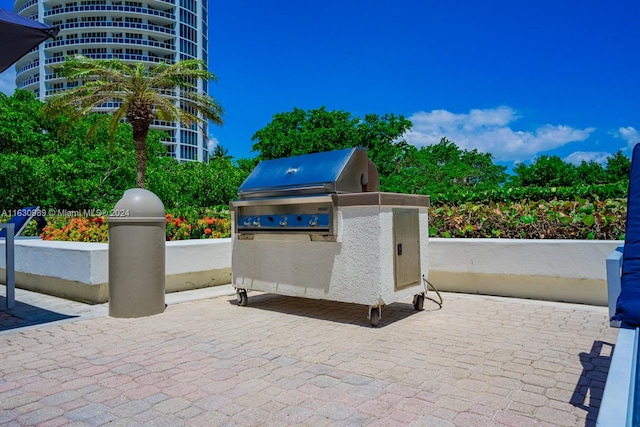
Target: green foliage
<point x="554" y="219"/>
<point x="23" y="128"/>
<point x="302" y="132"/>
<point x="444" y="167"/>
<point x="618" y="167"/>
<point x="545" y="171"/>
<point x="513" y="194"/>
<point x="592" y="173"/>
<point x="195" y="184"/>
<point x="89" y="167"/>
<point x="552" y="171"/>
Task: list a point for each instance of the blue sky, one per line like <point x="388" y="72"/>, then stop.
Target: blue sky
<point x="514" y="78"/>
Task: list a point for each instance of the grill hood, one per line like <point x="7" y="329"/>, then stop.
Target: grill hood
<point x="340" y="171"/>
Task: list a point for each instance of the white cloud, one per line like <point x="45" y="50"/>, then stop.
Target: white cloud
<point x="629" y="134"/>
<point x="212" y="144"/>
<point x="588" y="156"/>
<point x="8" y="81"/>
<point x="487" y="130"/>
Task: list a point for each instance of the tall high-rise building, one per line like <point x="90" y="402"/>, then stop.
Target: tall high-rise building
<point x="147" y="31"/>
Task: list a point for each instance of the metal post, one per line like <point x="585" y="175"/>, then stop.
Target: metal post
<point x="10" y="266"/>
<point x="613" y="266"/>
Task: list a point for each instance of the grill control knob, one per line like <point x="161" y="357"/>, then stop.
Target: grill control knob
<point x="247" y="221"/>
<point x="313" y="221"/>
<point x="256" y="222"/>
<point x="283" y="221"/>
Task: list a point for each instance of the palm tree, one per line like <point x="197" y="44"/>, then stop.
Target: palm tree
<point x="141" y="95"/>
<point x="220" y="152"/>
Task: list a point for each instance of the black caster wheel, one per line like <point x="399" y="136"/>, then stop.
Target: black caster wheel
<point x="242" y="298"/>
<point x="375" y="316"/>
<point x="418" y="302"/>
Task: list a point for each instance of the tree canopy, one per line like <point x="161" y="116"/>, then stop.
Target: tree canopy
<point x="89" y="167"/>
<point x="443" y="166"/>
<point x="302" y="132"/>
<point x="81" y="169"/>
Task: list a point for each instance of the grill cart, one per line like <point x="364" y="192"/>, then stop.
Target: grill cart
<point x="316" y="226"/>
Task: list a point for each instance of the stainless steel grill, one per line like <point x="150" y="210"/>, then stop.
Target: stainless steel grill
<point x="294" y="194"/>
<point x="374" y="249"/>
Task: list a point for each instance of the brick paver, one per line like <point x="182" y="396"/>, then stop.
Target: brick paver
<point x="478" y="361"/>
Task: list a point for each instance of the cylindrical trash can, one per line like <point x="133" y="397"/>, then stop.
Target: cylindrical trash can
<point x="137" y="255"/>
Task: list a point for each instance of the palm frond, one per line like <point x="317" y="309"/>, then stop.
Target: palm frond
<point x="113" y="80"/>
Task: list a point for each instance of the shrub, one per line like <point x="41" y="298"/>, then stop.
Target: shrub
<point x="79" y="229"/>
<point x="527" y="219"/>
<point x="188" y="223"/>
<point x="555" y="219"/>
<point x="179" y="228"/>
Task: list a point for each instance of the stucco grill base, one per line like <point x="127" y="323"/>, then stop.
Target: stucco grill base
<point x="357" y="268"/>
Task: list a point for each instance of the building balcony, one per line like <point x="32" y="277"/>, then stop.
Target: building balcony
<point x="109" y="10"/>
<point x="110" y="41"/>
<point x="117" y="25"/>
<point x="27" y="5"/>
<point x="124" y="57"/>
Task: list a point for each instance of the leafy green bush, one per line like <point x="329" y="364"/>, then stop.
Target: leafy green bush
<point x="517" y="194"/>
<point x="555" y="219"/>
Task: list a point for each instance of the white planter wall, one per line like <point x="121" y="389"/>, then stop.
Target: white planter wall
<point x="80" y="271"/>
<point x="556" y="270"/>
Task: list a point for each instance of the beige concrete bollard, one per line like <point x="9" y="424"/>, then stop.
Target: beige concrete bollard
<point x="137" y="255"/>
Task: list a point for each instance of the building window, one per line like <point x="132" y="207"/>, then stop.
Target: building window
<point x="94" y="19"/>
<point x="188" y="153"/>
<point x="188" y="4"/>
<point x="93" y="35"/>
<point x="94" y="51"/>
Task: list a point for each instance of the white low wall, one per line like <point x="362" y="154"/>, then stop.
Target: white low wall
<point x="555" y="270"/>
<point x="80" y="271"/>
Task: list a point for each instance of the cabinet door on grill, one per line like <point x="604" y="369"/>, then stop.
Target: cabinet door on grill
<point x="406" y="242"/>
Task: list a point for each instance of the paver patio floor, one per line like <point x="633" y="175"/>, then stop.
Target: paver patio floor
<point x="478" y="361"/>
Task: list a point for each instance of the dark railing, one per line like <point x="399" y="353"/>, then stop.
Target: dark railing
<point x="117" y="24"/>
<point x="109" y="8"/>
<point x="108" y="40"/>
<point x="123" y="56"/>
<point x="10" y="278"/>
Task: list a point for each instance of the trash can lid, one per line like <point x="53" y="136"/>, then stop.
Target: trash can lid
<point x="138" y="203"/>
